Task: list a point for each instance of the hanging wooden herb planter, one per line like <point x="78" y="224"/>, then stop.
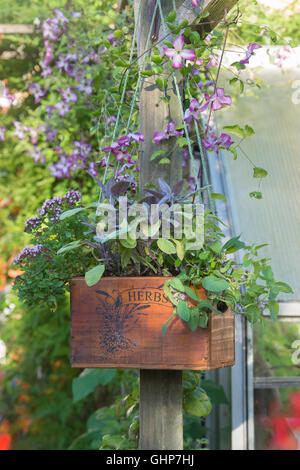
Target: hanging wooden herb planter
<point x="118" y="323"/>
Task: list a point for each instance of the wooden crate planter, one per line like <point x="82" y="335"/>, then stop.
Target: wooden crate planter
<point x="117" y="323"/>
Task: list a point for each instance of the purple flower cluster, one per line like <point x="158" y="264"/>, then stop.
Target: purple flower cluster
<point x="120" y="151"/>
<point x="37" y="92"/>
<point x="170" y="131"/>
<point x="52" y="209"/>
<point x="79" y="159"/>
<point x="29" y="252"/>
<point x="53" y="27"/>
<point x="193" y="111"/>
<point x="37" y="155"/>
<point x="212" y="142"/>
<point x="23" y="131"/>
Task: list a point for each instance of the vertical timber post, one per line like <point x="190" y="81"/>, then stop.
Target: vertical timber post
<point x="160" y="390"/>
<point x="161" y="426"/>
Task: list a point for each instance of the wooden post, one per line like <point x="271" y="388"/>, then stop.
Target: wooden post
<point x="161" y="391"/>
<point x="161" y="410"/>
<point x="16" y="29"/>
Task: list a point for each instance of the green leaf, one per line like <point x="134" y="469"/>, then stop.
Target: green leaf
<point x="177" y="284"/>
<point x="259" y="172"/>
<point x="164" y="327"/>
<point x="214" y="284"/>
<point x="204" y="303"/>
<point x="236" y="129"/>
<point x="114" y="442"/>
<point x="216" y="247"/>
<point x="157" y="154"/>
<point x="94" y="275"/>
<point x="215" y="392"/>
<point x="219" y="196"/>
<point x="89" y="379"/>
<point x="249" y="131"/>
<point x="274" y="309"/>
<point x="166" y="246"/>
<point x="182" y="141"/>
<point x="267" y="273"/>
<point x="283" y="287"/>
<point x="197" y="403"/>
<point x="157" y="59"/>
<point x="203" y="320"/>
<point x="179" y="249"/>
<point x="171" y="17"/>
<point x="183" y="310"/>
<point x="69" y="246"/>
<point x="70" y="213"/>
<point x="164" y="161"/>
<point x="256" y="194"/>
<point x="162" y="83"/>
<point x="194" y="318"/>
<point x="234" y="152"/>
<point x="191" y="293"/>
<point x="233" y="245"/>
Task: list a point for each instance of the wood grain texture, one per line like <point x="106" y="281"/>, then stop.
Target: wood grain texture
<point x="118" y="323"/>
<point x="155" y="114"/>
<point x="161" y="410"/>
<point x="16" y="29"/>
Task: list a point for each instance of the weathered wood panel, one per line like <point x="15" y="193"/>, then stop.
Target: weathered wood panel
<point x="16" y="28"/>
<point x="118" y="323"/>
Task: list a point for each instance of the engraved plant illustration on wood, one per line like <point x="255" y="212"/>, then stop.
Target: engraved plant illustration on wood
<point x="119" y="319"/>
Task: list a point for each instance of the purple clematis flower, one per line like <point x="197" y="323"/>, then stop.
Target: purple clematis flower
<point x="2" y="133"/>
<point x="47" y="71"/>
<point x="250" y="49"/>
<point x="50" y="29"/>
<point x="68" y="95"/>
<point x="192" y="112"/>
<point x="20" y="129"/>
<point x="85" y="86"/>
<point x="62" y="108"/>
<point x="37" y="155"/>
<point x="170" y="131"/>
<point x="195" y="3"/>
<point x="75" y="14"/>
<point x="37" y="92"/>
<point x="212" y="142"/>
<point x="92" y="170"/>
<point x="218" y="100"/>
<point x="177" y="53"/>
<point x="60" y="17"/>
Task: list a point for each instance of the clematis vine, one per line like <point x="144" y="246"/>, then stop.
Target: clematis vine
<point x="250" y="50"/>
<point x="170" y="131"/>
<point x="178" y="53"/>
